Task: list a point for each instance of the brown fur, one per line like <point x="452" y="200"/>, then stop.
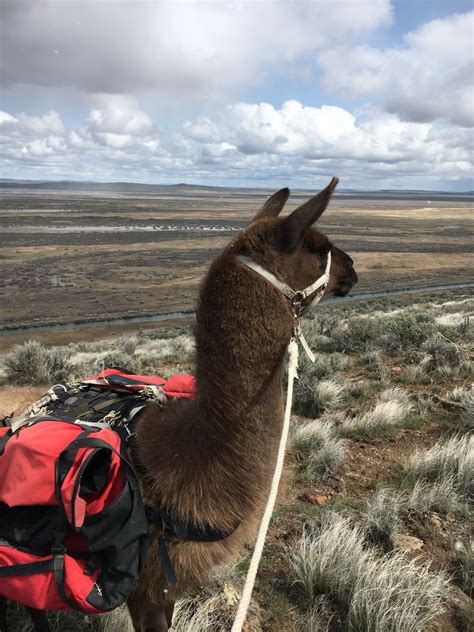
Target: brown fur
<point x="211" y="459"/>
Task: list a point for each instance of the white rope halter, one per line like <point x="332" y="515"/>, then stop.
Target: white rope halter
<point x="296" y="298"/>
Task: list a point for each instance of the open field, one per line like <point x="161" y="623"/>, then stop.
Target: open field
<point x="74" y="255"/>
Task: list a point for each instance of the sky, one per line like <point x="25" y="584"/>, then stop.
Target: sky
<point x="252" y="93"/>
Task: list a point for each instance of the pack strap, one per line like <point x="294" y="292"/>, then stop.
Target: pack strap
<point x="165" y="562"/>
<point x="32" y="568"/>
<point x="4" y="440"/>
<point x="174" y="527"/>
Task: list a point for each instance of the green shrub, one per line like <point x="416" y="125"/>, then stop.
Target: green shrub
<point x="32" y="363"/>
<point x="325" y="365"/>
<point x="357" y="335"/>
<point x="405" y="331"/>
<point x="311" y="398"/>
<point x="443" y="353"/>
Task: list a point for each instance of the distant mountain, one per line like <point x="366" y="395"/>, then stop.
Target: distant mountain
<point x="137" y="187"/>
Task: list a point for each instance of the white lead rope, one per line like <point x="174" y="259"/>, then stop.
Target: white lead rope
<point x="262" y="532"/>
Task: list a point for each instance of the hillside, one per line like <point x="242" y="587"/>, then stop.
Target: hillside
<point x="372" y="528"/>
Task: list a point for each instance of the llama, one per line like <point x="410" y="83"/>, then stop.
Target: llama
<point x="209" y="461"/>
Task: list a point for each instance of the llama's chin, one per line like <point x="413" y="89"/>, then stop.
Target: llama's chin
<point x="343" y="289"/>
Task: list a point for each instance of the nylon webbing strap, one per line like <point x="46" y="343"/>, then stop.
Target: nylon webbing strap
<point x="293" y="295"/>
<point x="17" y="570"/>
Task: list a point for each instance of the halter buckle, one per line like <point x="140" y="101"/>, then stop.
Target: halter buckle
<point x="297" y="303"/>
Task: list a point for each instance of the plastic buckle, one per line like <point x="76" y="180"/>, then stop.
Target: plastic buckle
<point x="58" y="549"/>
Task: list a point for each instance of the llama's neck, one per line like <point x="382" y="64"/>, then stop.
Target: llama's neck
<point x="222" y="448"/>
<point x="241" y="339"/>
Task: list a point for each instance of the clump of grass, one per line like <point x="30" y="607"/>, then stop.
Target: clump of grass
<point x="391" y="410"/>
<point x="467" y="415"/>
<point x="358" y="389"/>
<point x="328" y="559"/>
<point x="387" y="594"/>
<point x="396" y="595"/>
<point x="313" y="398"/>
<point x="318" y="448"/>
<point x="467" y="402"/>
<point x="420" y="373"/>
<point x="371" y="358"/>
<point x="441" y="496"/>
<point x="451" y="460"/>
<point x="464" y="396"/>
<point x="461" y="394"/>
<point x="382" y="517"/>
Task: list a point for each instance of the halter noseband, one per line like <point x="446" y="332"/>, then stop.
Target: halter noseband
<point x="296" y="297"/>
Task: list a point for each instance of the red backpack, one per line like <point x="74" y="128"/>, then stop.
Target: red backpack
<point x="73" y="528"/>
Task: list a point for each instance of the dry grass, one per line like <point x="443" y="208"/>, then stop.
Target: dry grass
<point x="451" y="460"/>
<point x="441" y="496"/>
<point x="392" y="408"/>
<point x="319" y="450"/>
<point x="382" y="517"/>
<point x="379" y="594"/>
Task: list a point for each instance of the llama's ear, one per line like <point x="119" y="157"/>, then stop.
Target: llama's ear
<point x="296" y="224"/>
<point x="274" y="204"/>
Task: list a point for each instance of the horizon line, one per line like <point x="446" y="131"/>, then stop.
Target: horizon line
<point x="32" y="181"/>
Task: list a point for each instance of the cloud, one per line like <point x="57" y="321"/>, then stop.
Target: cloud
<point x="116" y="122"/>
<point x="116" y="131"/>
<point x="300" y="139"/>
<point x="172" y="48"/>
<point x="320" y="133"/>
<point x="429" y="77"/>
<point x="246" y="143"/>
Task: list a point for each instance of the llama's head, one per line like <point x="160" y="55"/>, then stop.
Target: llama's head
<point x="292" y="249"/>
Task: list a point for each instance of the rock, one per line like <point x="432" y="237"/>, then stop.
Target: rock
<point x="314" y="499"/>
<point x="406" y="543"/>
<point x="396" y="369"/>
<point x="436" y="520"/>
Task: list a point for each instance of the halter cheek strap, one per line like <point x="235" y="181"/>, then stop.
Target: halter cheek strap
<point x="296" y="297"/>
